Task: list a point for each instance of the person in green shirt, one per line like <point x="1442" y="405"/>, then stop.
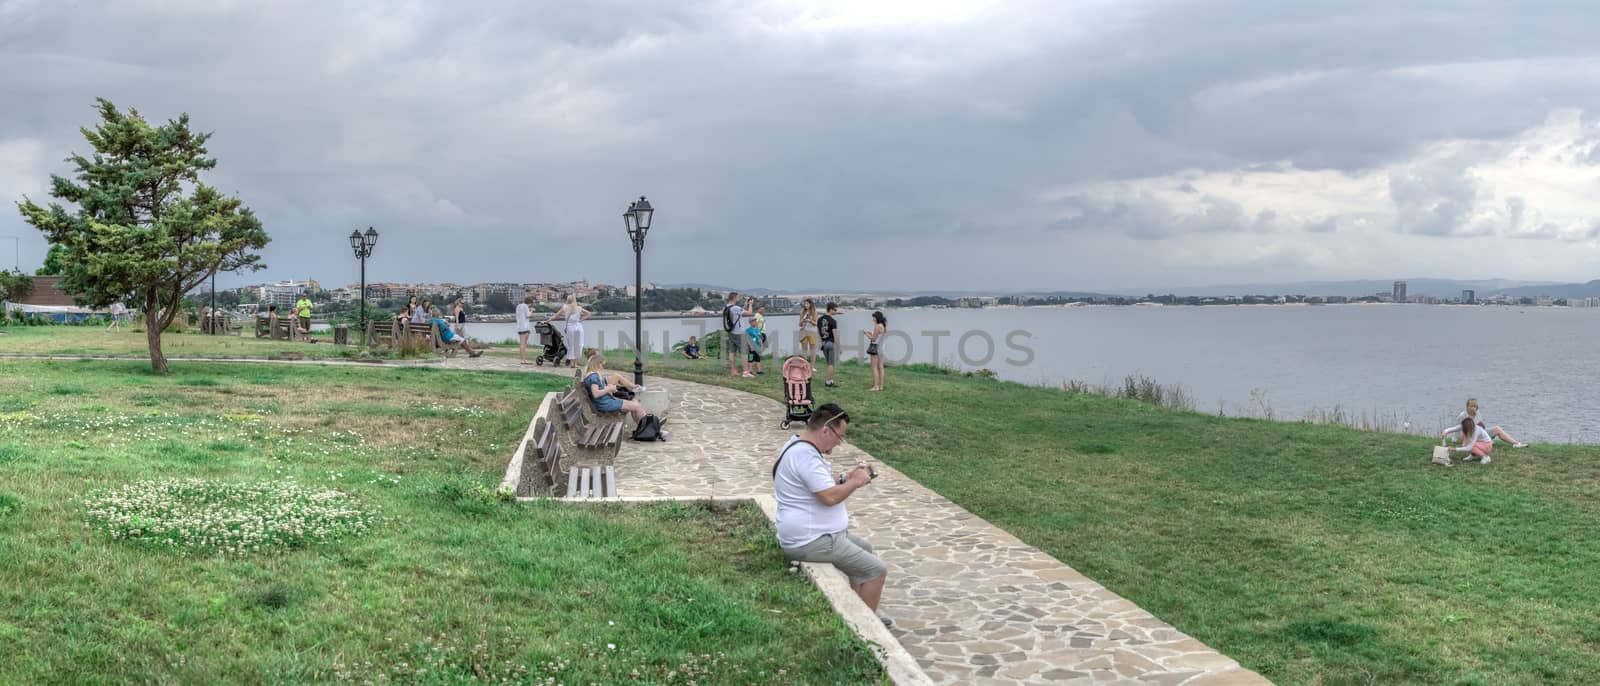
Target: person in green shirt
<point x="302" y="309"/>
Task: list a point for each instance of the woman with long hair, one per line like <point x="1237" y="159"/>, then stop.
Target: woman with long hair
<point x="808" y="330"/>
<point x="880" y="326"/>
<point x="574" y="314"/>
<point x="602" y="387"/>
<point x="409" y="314"/>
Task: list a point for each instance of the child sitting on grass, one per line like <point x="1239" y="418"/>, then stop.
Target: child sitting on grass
<point x="1481" y="444"/>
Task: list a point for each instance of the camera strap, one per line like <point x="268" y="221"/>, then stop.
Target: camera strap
<point x="786" y="452"/>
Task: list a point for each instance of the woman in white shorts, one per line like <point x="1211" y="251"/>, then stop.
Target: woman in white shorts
<point x="524" y="310"/>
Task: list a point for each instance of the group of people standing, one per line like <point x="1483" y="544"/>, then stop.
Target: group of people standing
<point x="817" y="334"/>
<point x="570" y="313"/>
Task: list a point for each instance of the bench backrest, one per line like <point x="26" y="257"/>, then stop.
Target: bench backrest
<point x="571" y="407"/>
<point x="381" y="330"/>
<point x="577" y="382"/>
<point x="547" y="449"/>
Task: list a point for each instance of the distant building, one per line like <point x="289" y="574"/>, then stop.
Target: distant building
<point x="1400" y="292"/>
<point x="1469" y="298"/>
<point x="1544" y="301"/>
<point x="776" y="304"/>
<point x="46" y="292"/>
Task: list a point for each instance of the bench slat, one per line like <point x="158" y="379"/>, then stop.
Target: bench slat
<point x="585" y="487"/>
<point x="611" y="482"/>
<point x="572" y="482"/>
<point x="554" y="462"/>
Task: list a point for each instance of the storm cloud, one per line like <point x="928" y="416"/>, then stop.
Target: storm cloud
<point x="889" y="145"/>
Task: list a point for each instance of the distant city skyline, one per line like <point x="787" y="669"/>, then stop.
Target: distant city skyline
<point x="797" y="144"/>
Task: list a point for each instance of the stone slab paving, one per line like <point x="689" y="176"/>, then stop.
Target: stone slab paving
<point x="972" y="603"/>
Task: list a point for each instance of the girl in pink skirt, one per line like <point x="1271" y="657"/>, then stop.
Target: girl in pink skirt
<point x="1480" y="444"/>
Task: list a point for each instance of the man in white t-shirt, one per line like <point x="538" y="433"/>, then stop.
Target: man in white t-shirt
<point x="524" y="310"/>
<point x="117" y="311"/>
<point x="813" y="524"/>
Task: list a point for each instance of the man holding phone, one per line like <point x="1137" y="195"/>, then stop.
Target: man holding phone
<point x="813" y="524"/>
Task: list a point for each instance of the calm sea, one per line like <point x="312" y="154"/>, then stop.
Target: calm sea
<point x="1533" y="369"/>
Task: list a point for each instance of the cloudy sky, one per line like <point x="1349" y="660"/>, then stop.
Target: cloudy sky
<point x="871" y="144"/>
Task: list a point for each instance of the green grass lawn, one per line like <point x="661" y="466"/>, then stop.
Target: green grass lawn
<point x="451" y="585"/>
<point x="1313" y="554"/>
<point x="95" y="340"/>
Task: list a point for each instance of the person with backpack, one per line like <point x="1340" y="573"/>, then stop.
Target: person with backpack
<point x="733" y="336"/>
<point x="813" y="524"/>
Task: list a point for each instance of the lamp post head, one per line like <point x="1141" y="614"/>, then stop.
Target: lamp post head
<point x="369" y="239"/>
<point x="355" y="242"/>
<point x="638" y="219"/>
<point x="643" y="213"/>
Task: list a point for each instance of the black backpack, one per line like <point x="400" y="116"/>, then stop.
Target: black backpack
<point x="727" y="318"/>
<point x="649" y="429"/>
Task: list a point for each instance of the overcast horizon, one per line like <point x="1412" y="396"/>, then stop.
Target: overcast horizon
<point x="940" y="145"/>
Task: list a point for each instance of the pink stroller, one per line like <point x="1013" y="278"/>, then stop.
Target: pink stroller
<point x="796" y="390"/>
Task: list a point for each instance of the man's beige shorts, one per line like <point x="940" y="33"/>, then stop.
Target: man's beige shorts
<point x="848" y="552"/>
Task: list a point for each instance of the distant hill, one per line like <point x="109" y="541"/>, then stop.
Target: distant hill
<point x="721" y="289"/>
<point x="1438" y="288"/>
<point x="1560" y="290"/>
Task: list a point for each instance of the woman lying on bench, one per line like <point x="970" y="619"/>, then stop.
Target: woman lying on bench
<point x="601" y="387"/>
<point x="448" y="335"/>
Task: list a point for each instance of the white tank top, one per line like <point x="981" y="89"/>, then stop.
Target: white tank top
<point x="574" y="316"/>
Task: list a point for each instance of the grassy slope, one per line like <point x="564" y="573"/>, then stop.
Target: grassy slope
<point x="1314" y="554"/>
<point x="454" y="580"/>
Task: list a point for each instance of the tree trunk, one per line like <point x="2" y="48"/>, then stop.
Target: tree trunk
<point x="153" y="325"/>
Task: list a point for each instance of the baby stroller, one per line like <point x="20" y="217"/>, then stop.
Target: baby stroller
<point x="555" y="345"/>
<point x="796" y="390"/>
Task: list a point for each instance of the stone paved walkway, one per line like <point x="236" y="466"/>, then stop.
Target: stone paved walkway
<point x="972" y="603"/>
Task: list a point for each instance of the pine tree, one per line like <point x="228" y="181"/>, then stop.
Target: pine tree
<point x="143" y="226"/>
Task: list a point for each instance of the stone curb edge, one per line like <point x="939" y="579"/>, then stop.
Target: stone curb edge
<point x="900" y="666"/>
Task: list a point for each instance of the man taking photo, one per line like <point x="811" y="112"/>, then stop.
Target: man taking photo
<point x="812" y="521"/>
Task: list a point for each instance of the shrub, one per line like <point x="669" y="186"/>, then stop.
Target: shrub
<point x="222" y="517"/>
<point x="412" y="347"/>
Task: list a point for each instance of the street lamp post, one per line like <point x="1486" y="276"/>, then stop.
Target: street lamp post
<point x="211" y="322"/>
<point x="637" y="218"/>
<point x="362" y="244"/>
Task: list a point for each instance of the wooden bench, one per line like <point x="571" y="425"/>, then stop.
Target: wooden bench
<point x="596" y="482"/>
<point x="381" y="332"/>
<point x="426" y="331"/>
<point x="219" y="324"/>
<point x="542" y="462"/>
<point x="595" y="434"/>
<point x="281" y="330"/>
